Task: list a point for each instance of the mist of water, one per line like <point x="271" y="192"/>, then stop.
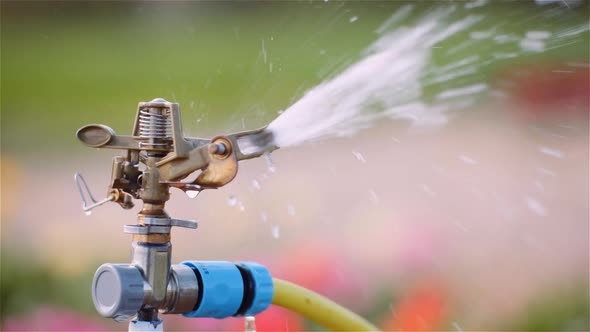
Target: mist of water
<point x="384" y="84"/>
<point x="390" y="79"/>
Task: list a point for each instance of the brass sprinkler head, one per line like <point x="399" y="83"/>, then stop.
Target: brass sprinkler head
<point x="158" y="143"/>
<point x="157" y="157"/>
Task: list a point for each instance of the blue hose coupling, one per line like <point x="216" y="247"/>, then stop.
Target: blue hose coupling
<point x="227" y="289"/>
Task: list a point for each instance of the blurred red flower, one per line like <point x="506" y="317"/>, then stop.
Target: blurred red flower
<point x="422" y="309"/>
<point x="548" y="89"/>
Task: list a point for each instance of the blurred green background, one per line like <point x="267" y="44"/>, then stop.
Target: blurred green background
<point x="67" y="64"/>
<point x="231" y="66"/>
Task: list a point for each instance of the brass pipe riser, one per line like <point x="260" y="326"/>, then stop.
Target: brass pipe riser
<point x="152" y="210"/>
<point x="152" y="238"/>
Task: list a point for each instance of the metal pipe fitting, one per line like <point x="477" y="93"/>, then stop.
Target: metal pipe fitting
<point x="194" y="288"/>
<point x="121" y="291"/>
<point x="153" y="259"/>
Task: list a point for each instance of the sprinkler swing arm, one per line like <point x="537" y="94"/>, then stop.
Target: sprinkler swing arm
<point x="158" y="157"/>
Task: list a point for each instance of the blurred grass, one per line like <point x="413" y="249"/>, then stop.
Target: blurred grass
<point x="66" y="64"/>
<point x="27" y="284"/>
<point x="71" y="63"/>
<point x="565" y="309"/>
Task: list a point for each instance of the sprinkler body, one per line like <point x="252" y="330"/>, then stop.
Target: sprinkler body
<point x="158" y="157"/>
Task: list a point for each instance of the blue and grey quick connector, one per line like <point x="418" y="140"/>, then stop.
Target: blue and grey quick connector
<point x="226" y="289"/>
<point x="214" y="289"/>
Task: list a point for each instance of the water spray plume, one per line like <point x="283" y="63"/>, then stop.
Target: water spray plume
<point x="398" y="76"/>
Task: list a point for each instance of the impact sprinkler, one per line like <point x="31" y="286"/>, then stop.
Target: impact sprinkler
<point x="157" y="157"/>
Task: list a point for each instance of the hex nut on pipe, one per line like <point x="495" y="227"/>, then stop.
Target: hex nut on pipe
<point x="117" y="291"/>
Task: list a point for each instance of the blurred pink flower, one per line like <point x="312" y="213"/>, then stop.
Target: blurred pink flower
<point x="272" y="319"/>
<point x="319" y="268"/>
<point x="417" y="249"/>
<point x="50" y="318"/>
<point x="181" y="323"/>
<point x="277" y="319"/>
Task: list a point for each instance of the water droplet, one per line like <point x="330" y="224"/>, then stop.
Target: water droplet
<point x="551" y="152"/>
<point x="460" y="225"/>
<point x="269" y="163"/>
<point x="457" y="327"/>
<point x="192" y="193"/>
<point x="353" y="19"/>
<point x="428" y="190"/>
<point x="535" y="206"/>
<point x="232" y="200"/>
<point x="437" y="169"/>
<point x="500" y="55"/>
<point x="241" y="206"/>
<point x="538" y="34"/>
<point x="462" y="92"/>
<point x="255" y="184"/>
<point x="250" y="324"/>
<point x="502" y="39"/>
<point x="480" y="35"/>
<point x="291" y="210"/>
<point x="89" y="212"/>
<point x="263" y="216"/>
<point x="475" y="4"/>
<point x="467" y="160"/>
<point x="359" y="156"/>
<point x="263" y="52"/>
<point x="276" y="231"/>
<point x="532" y="45"/>
<point x="546" y="171"/>
<point x="374" y="197"/>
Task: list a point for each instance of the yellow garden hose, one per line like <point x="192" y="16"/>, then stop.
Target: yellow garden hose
<point x="317" y="308"/>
